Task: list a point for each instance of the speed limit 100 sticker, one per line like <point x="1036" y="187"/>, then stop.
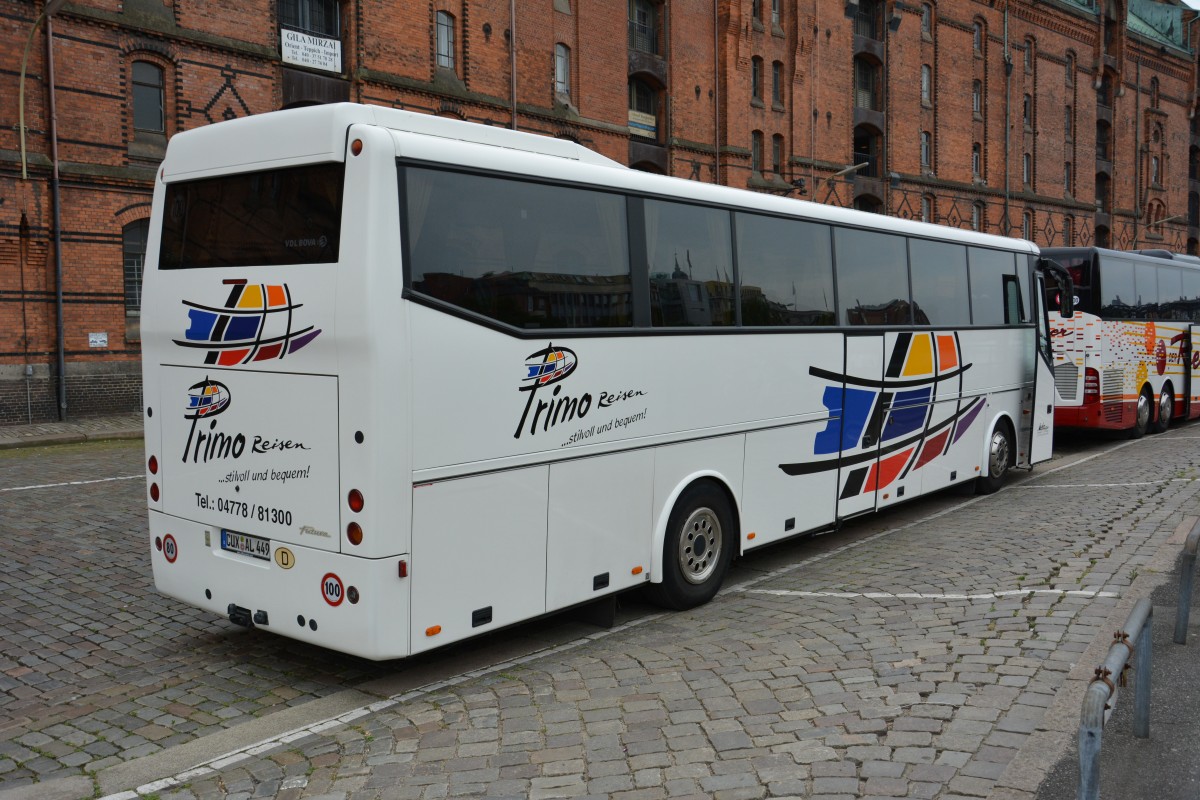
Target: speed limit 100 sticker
<point x="331" y="589"/>
<point x="170" y="548"/>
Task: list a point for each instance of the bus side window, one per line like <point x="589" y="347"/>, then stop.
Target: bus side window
<point x="1146" y="286"/>
<point x="1170" y="293"/>
<point x="1012" y="300"/>
<point x="689" y="252"/>
<point x="988" y="269"/>
<point x="872" y="278"/>
<point x="785" y="269"/>
<point x="939" y="283"/>
<point x="1117" y="297"/>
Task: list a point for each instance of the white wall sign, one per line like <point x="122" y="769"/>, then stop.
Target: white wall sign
<point x="306" y="50"/>
<point x="97" y="340"/>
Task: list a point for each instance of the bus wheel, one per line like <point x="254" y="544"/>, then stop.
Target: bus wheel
<point x="697" y="550"/>
<point x="1166" y="408"/>
<point x="1141" y="421"/>
<point x="999" y="459"/>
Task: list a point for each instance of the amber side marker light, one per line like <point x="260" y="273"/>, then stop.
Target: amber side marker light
<point x="433" y="630"/>
<point x="354" y="533"/>
<point x="636" y="571"/>
<point x="355" y="500"/>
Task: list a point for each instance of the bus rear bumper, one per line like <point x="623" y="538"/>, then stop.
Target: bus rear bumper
<point x="1096" y="415"/>
<point x="346" y="603"/>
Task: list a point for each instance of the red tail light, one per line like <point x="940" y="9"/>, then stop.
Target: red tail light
<point x="153" y="465"/>
<point x="1091" y="386"/>
<point x="154" y="492"/>
<point x="355" y="500"/>
<point x="354" y="533"/>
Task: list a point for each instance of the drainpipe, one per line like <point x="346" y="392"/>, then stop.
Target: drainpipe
<point x="1137" y="151"/>
<point x="1008" y="68"/>
<point x="512" y="58"/>
<point x="54" y="191"/>
<point x="716" y="92"/>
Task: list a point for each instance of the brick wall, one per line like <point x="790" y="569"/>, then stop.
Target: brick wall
<point x="220" y="60"/>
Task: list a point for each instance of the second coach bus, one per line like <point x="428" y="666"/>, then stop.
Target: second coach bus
<point x="1125" y="359"/>
<point x="409" y="379"/>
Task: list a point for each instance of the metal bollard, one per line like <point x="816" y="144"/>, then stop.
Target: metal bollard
<point x="1102" y="689"/>
<point x="1185" y="584"/>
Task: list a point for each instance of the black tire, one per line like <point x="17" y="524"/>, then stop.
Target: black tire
<point x="1000" y="458"/>
<point x="697" y="549"/>
<point x="1141" y="417"/>
<point x="1165" y="410"/>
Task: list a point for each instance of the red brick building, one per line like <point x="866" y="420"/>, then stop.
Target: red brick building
<point x="1063" y="121"/>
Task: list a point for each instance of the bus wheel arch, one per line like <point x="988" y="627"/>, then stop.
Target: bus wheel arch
<point x="1165" y="409"/>
<point x="1000" y="454"/>
<point x="695" y="540"/>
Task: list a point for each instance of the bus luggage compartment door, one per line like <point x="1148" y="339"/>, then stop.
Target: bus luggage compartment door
<point x="1191" y="371"/>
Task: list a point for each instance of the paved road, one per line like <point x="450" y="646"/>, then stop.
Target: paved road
<point x="937" y="651"/>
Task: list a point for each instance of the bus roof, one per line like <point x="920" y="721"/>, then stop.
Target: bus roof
<point x="318" y="133"/>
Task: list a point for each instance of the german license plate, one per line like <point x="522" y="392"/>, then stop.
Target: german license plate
<point x="246" y="544"/>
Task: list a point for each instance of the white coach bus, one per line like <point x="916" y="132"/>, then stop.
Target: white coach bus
<point x="410" y="379"/>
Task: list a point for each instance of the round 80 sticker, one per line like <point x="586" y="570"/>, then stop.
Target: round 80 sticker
<point x="331" y="589"/>
<point x="170" y="549"/>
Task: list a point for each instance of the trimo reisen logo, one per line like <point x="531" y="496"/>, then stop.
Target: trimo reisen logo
<point x="545" y="368"/>
<point x="258" y="322"/>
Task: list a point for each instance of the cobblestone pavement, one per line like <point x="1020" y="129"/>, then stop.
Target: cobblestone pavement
<point x="928" y="660"/>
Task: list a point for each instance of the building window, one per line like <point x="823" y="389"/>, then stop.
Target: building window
<point x="1027" y="169"/>
<point x="1154" y="97"/>
<point x="320" y="17"/>
<point x="1068" y="231"/>
<point x="562" y="69"/>
<point x="926" y="208"/>
<point x="977" y="37"/>
<point x="977" y="216"/>
<point x="866" y="84"/>
<point x="1067" y="175"/>
<point x="926" y="83"/>
<point x="756" y="148"/>
<point x="445" y="40"/>
<point x="1154" y="176"/>
<point x="1029" y="55"/>
<point x="1027" y="112"/>
<point x="777" y="154"/>
<point x="1070" y="69"/>
<point x="1103" y="140"/>
<point x="756" y="78"/>
<point x="643" y="109"/>
<point x="977" y="97"/>
<point x="927" y="20"/>
<point x="134" y="252"/>
<point x="148" y="98"/>
<point x="926" y="148"/>
<point x="1069" y="124"/>
<point x="1027" y="225"/>
<point x="976" y="159"/>
<point x="776" y="12"/>
<point x="643" y="27"/>
<point x="777" y="83"/>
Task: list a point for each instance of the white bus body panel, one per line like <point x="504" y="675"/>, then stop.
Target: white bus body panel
<point x="479" y="547"/>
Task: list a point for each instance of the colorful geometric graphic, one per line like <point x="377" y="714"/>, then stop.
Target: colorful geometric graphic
<point x="555" y="364"/>
<point x="879" y="430"/>
<point x="255" y="324"/>
<point x="206" y="399"/>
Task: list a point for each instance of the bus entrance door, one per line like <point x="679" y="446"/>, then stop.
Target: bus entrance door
<point x="1038" y="406"/>
<point x="864" y="406"/>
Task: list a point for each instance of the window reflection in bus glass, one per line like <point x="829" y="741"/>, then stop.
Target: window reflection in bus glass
<point x="1146" y="288"/>
<point x="269" y="218"/>
<point x="1116" y="289"/>
<point x="688" y="249"/>
<point x="872" y="270"/>
<point x="939" y="283"/>
<point x="988" y="270"/>
<point x="786" y="271"/>
<point x="527" y="254"/>
<point x="1170" y="293"/>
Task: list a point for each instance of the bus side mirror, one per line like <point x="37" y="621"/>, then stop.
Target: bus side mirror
<point x="1066" y="287"/>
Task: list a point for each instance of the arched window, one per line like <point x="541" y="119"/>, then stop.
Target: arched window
<point x="1027" y="226"/>
<point x="926" y="149"/>
<point x="977" y="216"/>
<point x="1027" y="169"/>
<point x="562" y="70"/>
<point x="1027" y="111"/>
<point x="927" y="20"/>
<point x="777" y="154"/>
<point x="1028" y="55"/>
<point x="777" y="84"/>
<point x="445" y="40"/>
<point x="976" y="159"/>
<point x="133" y="251"/>
<point x="1070" y="71"/>
<point x="1068" y="231"/>
<point x="643" y="109"/>
<point x="1103" y="194"/>
<point x="866" y="83"/>
<point x="643" y="27"/>
<point x="1154" y="95"/>
<point x="756" y="78"/>
<point x="926" y="208"/>
<point x="926" y="83"/>
<point x="1103" y="140"/>
<point x="977" y="37"/>
<point x="320" y="17"/>
<point x="148" y="105"/>
<point x="868" y="145"/>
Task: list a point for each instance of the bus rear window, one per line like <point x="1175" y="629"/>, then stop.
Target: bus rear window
<point x="270" y="218"/>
